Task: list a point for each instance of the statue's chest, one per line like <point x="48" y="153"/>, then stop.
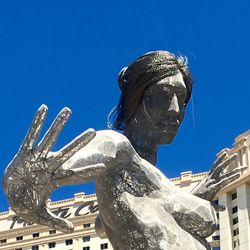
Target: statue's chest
<point x="133" y="182"/>
<point x="117" y="181"/>
<point x="128" y="178"/>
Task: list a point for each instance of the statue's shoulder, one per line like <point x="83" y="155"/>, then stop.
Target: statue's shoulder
<point x="113" y="141"/>
<point x="111" y="135"/>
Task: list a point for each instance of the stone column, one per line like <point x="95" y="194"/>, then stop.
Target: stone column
<point x="43" y="247"/>
<point x="243" y="196"/>
<point x="76" y="244"/>
<point x="225" y="222"/>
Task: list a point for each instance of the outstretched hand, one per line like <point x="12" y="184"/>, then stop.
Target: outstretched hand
<point x="33" y="173"/>
<point x="217" y="178"/>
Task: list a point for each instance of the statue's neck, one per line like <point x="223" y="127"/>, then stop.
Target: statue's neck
<point x="142" y="144"/>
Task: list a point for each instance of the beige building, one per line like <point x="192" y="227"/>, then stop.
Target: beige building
<point x="17" y="234"/>
<point x="233" y="229"/>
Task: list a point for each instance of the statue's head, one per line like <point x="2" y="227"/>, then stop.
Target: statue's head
<point x="155" y="90"/>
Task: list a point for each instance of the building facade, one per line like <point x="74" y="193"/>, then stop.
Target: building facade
<point x="17" y="234"/>
<point x="233" y="228"/>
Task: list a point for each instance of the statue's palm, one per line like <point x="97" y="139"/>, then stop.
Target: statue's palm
<point x="35" y="171"/>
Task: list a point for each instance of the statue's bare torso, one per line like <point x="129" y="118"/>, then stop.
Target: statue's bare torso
<point x="139" y="207"/>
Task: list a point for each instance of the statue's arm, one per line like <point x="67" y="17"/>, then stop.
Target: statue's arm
<point x="101" y="151"/>
<point x="35" y="172"/>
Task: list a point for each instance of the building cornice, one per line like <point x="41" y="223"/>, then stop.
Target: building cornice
<point x="37" y="228"/>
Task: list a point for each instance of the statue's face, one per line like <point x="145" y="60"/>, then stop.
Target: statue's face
<point x="163" y="105"/>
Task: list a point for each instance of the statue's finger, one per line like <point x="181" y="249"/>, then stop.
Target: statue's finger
<point x="218" y="161"/>
<point x="69" y="150"/>
<point x="233" y="172"/>
<point x="225" y="181"/>
<point x="223" y="165"/>
<point x="35" y="129"/>
<point x="45" y="217"/>
<point x="227" y="175"/>
<point x="240" y="169"/>
<point x="53" y="132"/>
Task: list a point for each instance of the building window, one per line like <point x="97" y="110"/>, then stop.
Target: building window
<point x="52" y="232"/>
<point x="3" y="241"/>
<point x="216" y="237"/>
<point x="217" y="226"/>
<point x="86" y="248"/>
<point x="104" y="246"/>
<point x="86" y="238"/>
<point x="68" y="242"/>
<point x="19" y="238"/>
<point x="86" y="225"/>
<point x="18" y="248"/>
<point x="236" y="243"/>
<point x="52" y="245"/>
<point x="234" y="196"/>
<point x="35" y="248"/>
<point x="35" y="235"/>
<point x="235" y="209"/>
<point x="216" y="248"/>
<point x="218" y="216"/>
<point x="235" y="220"/>
<point x="236" y="231"/>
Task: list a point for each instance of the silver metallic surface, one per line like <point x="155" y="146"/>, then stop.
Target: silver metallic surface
<point x="139" y="208"/>
<point x="35" y="171"/>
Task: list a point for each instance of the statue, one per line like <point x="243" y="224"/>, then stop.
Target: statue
<point x="139" y="208"/>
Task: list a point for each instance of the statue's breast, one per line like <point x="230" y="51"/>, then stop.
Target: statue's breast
<point x="133" y="180"/>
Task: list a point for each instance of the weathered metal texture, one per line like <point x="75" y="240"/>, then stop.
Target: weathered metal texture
<point x="139" y="207"/>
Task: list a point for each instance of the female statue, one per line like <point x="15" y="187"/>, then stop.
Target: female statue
<point x="139" y="208"/>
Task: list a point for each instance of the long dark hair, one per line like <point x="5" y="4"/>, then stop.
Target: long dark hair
<point x="146" y="70"/>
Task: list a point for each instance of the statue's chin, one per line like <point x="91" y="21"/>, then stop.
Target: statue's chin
<point x="167" y="138"/>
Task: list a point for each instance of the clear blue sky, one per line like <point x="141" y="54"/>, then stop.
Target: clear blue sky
<point x="68" y="53"/>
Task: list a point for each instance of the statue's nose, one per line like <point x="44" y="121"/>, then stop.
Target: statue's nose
<point x="174" y="106"/>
